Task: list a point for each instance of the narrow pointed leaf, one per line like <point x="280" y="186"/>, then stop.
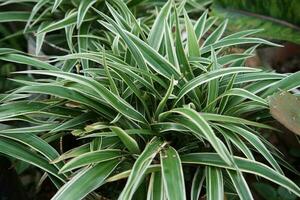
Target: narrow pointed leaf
<point x="204" y="78"/>
<point x="243" y="165"/>
<point x="139" y="168"/>
<point x="216" y="35"/>
<point x="199" y="122"/>
<point x="11" y="16"/>
<point x="172" y="174"/>
<point x="240" y="185"/>
<point x="128" y="141"/>
<point x="26" y="60"/>
<point x="155" y="188"/>
<point x="157" y="30"/>
<point x="163" y="102"/>
<point x="56" y="4"/>
<point x="18" y="151"/>
<point x="99" y="156"/>
<point x="197" y="184"/>
<point x="200" y="25"/>
<point x="82" y="10"/>
<point x="117" y="102"/>
<point x="192" y="42"/>
<point x="256" y="142"/>
<point x="214" y="184"/>
<point x="86" y="181"/>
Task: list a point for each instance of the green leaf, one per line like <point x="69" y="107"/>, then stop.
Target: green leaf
<point x="11" y="16"/>
<point x="86" y="181"/>
<point x="214" y="183"/>
<point x="88" y="158"/>
<point x="200" y="25"/>
<point x="224" y="100"/>
<point x="169" y="46"/>
<point x="155" y="188"/>
<point x="34" y="11"/>
<point x="184" y="65"/>
<point x="18" y="151"/>
<point x="237" y="141"/>
<point x="288" y="83"/>
<point x="236" y="41"/>
<point x="12" y="97"/>
<point x="77" y="151"/>
<point x="172" y="174"/>
<point x="203" y="127"/>
<point x="80" y="119"/>
<point x="30" y="129"/>
<point x="66" y="93"/>
<point x="69" y="39"/>
<point x="140" y="166"/>
<point x="118" y="65"/>
<point x="163" y="102"/>
<point x="4" y="51"/>
<point x="128" y="15"/>
<point x="56" y="4"/>
<point x="82" y="10"/>
<point x="156" y="34"/>
<point x="116" y="102"/>
<point x="15" y="109"/>
<point x="213" y="85"/>
<point x="40" y="38"/>
<point x="35" y="143"/>
<point x="157" y="62"/>
<point x="137" y="46"/>
<point x="215" y="35"/>
<point x="192" y="42"/>
<point x="234" y="120"/>
<point x="244" y="33"/>
<point x="240" y="185"/>
<point x="113" y="86"/>
<point x="128" y="131"/>
<point x="128" y="141"/>
<point x="197" y="184"/>
<point x="135" y="51"/>
<point x="244" y="165"/>
<point x="256" y="142"/>
<point x="126" y="174"/>
<point x="67" y="21"/>
<point x="206" y="77"/>
<point x="245" y="94"/>
<point x="134" y="89"/>
<point x="83" y="43"/>
<point x="26" y="60"/>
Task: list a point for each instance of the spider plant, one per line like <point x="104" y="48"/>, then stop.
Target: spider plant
<point x="160" y="108"/>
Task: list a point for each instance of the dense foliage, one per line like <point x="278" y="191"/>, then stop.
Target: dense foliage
<point x="159" y="105"/>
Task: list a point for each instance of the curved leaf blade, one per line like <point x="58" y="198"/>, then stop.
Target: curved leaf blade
<point x="172" y="174"/>
<point x="86" y="181"/>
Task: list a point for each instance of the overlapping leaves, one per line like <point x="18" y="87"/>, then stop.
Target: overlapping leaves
<point x="145" y="102"/>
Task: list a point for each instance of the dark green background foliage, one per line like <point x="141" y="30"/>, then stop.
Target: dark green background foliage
<point x="286" y="10"/>
<point x="279" y="19"/>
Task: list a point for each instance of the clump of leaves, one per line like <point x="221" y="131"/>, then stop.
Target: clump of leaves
<point x="153" y="108"/>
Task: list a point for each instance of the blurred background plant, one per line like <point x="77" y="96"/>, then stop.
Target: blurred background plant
<point x="279" y="19"/>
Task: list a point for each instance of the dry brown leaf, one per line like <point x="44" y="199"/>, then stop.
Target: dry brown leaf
<point x="285" y="108"/>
